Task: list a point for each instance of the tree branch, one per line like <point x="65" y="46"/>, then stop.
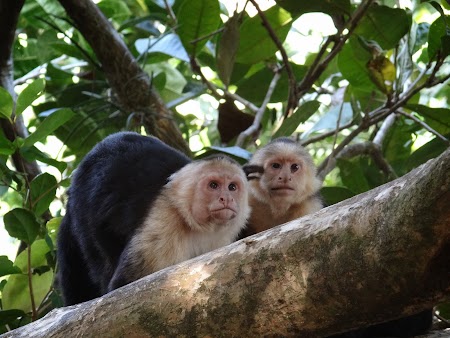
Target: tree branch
<point x="292" y="101"/>
<point x="310" y="277"/>
<point x="128" y="81"/>
<point x="259" y="115"/>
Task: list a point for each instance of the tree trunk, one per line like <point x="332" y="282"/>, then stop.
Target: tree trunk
<point x="128" y="81"/>
<point x="378" y="256"/>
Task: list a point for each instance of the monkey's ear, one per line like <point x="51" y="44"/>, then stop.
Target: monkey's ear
<point x="252" y="171"/>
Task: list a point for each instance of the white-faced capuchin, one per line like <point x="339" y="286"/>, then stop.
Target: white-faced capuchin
<point x="204" y="206"/>
<point x="120" y="205"/>
<point x="283" y="185"/>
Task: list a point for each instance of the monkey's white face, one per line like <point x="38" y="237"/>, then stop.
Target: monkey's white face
<point x="283" y="176"/>
<point x="220" y="197"/>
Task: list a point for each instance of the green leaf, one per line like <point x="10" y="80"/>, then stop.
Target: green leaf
<point x="29" y="94"/>
<point x="6" y="146"/>
<point x="255" y="43"/>
<point x="53" y="121"/>
<point x="9" y="316"/>
<point x="236" y="152"/>
<point x="336" y="116"/>
<point x="21" y="224"/>
<point x="7" y="267"/>
<point x="297" y="8"/>
<point x="352" y="62"/>
<point x="227" y="48"/>
<point x="436" y="118"/>
<point x="426" y="152"/>
<point x="385" y="25"/>
<point x="33" y="153"/>
<point x="333" y="195"/>
<point x="16" y="294"/>
<point x="438" y="30"/>
<point x="169" y="44"/>
<point x="196" y="20"/>
<point x="353" y="176"/>
<point x="43" y="191"/>
<point x="6" y="104"/>
<point x="303" y="113"/>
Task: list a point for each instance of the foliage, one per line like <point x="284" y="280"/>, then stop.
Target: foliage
<point x="379" y="77"/>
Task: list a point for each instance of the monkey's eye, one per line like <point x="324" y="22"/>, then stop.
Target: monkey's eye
<point x="213" y="185"/>
<point x="232" y="187"/>
<point x="276" y="165"/>
<point x="294" y="167"/>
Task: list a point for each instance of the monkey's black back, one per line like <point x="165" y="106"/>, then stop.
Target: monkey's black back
<point x="111" y="192"/>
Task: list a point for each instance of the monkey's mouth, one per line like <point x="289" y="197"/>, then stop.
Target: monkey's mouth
<point x="226" y="213"/>
<point x="284" y="190"/>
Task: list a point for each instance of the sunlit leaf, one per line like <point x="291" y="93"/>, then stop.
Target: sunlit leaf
<point x="54" y="120"/>
<point x="6" y="103"/>
<point x="169" y="44"/>
<point x="385" y="25"/>
<point x="16" y="294"/>
<point x="303" y="113"/>
<point x="255" y="43"/>
<point x="21" y="224"/>
<point x="43" y="191"/>
<point x="29" y="94"/>
<point x="337" y="116"/>
<point x="196" y="20"/>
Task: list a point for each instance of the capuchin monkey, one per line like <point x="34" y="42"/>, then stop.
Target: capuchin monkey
<point x="283" y="185"/>
<point x="118" y="192"/>
<point x="203" y="207"/>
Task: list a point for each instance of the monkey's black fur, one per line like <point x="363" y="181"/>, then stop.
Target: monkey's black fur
<point x="111" y="191"/>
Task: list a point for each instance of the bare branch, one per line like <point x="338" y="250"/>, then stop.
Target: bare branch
<point x="258" y="117"/>
<point x="293" y="97"/>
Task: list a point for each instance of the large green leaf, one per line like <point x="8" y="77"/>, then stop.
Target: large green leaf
<point x="352" y="62"/>
<point x="7" y="267"/>
<point x="227" y="48"/>
<point x="29" y="94"/>
<point x="196" y="20"/>
<point x="16" y="294"/>
<point x="6" y="103"/>
<point x="297" y="8"/>
<point x="353" y="176"/>
<point x="21" y="224"/>
<point x="428" y="151"/>
<point x="33" y="153"/>
<point x="336" y="116"/>
<point x="333" y="195"/>
<point x="303" y="113"/>
<point x="436" y="118"/>
<point x="169" y="44"/>
<point x="438" y="37"/>
<point x="255" y="43"/>
<point x="385" y="25"/>
<point x="53" y="121"/>
<point x="43" y="191"/>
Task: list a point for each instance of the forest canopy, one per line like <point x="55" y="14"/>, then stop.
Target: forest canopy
<point x="363" y="85"/>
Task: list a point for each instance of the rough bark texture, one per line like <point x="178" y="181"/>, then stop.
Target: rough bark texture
<point x="129" y="82"/>
<point x="377" y="256"/>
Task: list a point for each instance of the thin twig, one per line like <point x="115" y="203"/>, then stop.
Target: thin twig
<point x="314" y="72"/>
<point x="170" y="11"/>
<point x="423" y="124"/>
<point x="215" y="91"/>
<point x="292" y="98"/>
<point x="385" y="127"/>
<point x="258" y="117"/>
<point x="30" y="285"/>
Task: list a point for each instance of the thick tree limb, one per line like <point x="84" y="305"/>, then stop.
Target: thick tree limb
<point x="378" y="256"/>
<point x="130" y="83"/>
